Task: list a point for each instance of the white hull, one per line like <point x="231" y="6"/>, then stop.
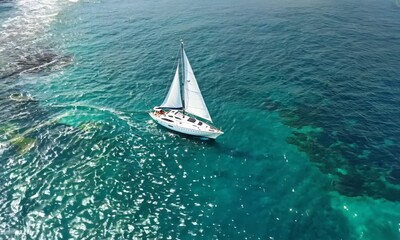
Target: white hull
<point x="182" y="123"/>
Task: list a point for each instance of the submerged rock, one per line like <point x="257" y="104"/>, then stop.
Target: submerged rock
<point x="11" y="137"/>
<point x="24" y="144"/>
<point x="7" y="131"/>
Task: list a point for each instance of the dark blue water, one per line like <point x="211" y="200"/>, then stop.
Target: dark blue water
<point x="306" y="92"/>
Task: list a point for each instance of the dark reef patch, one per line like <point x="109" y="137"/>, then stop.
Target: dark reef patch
<point x="345" y="151"/>
<point x="38" y="62"/>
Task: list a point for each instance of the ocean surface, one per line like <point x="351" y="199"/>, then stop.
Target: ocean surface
<point x="306" y="91"/>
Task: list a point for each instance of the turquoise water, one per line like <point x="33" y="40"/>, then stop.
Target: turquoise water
<point x="306" y="92"/>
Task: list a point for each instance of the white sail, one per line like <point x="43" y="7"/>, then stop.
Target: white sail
<point x="194" y="102"/>
<point x="174" y="98"/>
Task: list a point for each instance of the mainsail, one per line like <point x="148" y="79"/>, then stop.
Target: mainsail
<point x="174" y="98"/>
<point x="194" y="102"/>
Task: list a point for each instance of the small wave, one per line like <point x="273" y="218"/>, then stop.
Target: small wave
<point x="22" y="97"/>
<point x="3" y="147"/>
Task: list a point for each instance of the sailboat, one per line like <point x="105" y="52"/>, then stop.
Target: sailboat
<point x="187" y="114"/>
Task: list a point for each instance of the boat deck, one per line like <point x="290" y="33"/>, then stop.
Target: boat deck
<point x="180" y="122"/>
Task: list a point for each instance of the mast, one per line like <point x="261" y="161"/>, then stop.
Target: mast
<point x="194" y="101"/>
<point x="183" y="77"/>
